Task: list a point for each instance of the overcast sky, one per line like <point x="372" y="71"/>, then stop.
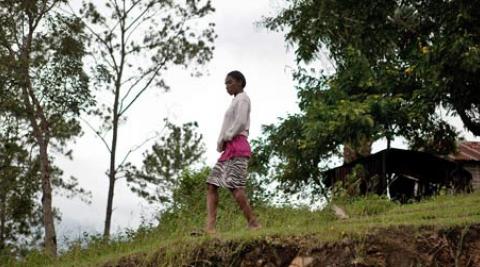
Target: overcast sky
<point x="265" y="61"/>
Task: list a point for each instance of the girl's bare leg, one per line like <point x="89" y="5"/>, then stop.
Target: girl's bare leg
<point x="242" y="201"/>
<point x="212" y="203"/>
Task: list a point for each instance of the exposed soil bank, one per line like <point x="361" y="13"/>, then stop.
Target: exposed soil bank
<point x="396" y="246"/>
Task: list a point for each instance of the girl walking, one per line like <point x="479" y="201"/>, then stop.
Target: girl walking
<point x="230" y="171"/>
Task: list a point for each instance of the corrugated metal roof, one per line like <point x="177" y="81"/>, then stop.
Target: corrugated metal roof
<point x="467" y="151"/>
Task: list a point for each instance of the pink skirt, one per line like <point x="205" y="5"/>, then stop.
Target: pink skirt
<point x="237" y="147"/>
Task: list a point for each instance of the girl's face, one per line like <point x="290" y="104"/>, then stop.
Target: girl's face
<point x="233" y="86"/>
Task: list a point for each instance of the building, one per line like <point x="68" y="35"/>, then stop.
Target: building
<point x="405" y="174"/>
<point x="468" y="156"/>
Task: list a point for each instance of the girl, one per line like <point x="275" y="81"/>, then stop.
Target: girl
<point x="231" y="169"/>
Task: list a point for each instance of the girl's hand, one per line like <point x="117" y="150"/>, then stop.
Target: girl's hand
<point x="221" y="146"/>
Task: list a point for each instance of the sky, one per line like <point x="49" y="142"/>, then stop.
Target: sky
<point x="262" y="56"/>
<point x="267" y="63"/>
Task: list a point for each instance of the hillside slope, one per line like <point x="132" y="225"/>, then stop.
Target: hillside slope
<point x="444" y="231"/>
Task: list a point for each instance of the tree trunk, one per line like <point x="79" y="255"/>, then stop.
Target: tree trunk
<point x="2" y="220"/>
<point x="112" y="173"/>
<point x="39" y="124"/>
<point x="40" y="132"/>
<point x="50" y="236"/>
<point x="116" y="117"/>
<point x="111" y="179"/>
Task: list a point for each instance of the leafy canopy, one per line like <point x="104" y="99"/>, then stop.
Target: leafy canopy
<point x="397" y="64"/>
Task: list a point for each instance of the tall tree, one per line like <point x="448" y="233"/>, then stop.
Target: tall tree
<point x="397" y="63"/>
<point x="135" y="42"/>
<point x="45" y="87"/>
<point x="180" y="148"/>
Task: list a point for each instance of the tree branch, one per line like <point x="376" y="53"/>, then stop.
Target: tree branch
<point x="137" y="147"/>
<point x="45" y="10"/>
<point x="117" y="9"/>
<point x="8" y="47"/>
<point x="98" y="134"/>
<point x="36" y="108"/>
<point x="134" y="3"/>
<point x="157" y="70"/>
<point x="107" y="45"/>
<point x="138" y="17"/>
<point x="13" y="25"/>
<point x="138" y="25"/>
<point x="128" y="80"/>
<point x="134" y="84"/>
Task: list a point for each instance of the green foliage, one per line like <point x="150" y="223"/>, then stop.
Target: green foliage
<point x="20" y="211"/>
<point x="190" y="194"/>
<point x="424" y="49"/>
<point x="20" y="191"/>
<point x="44" y="87"/>
<point x="56" y="85"/>
<point x="282" y="155"/>
<point x="179" y="148"/>
<point x="397" y="64"/>
<point x="351" y="186"/>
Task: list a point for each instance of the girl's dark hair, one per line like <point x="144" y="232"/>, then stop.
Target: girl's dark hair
<point x="238" y="76"/>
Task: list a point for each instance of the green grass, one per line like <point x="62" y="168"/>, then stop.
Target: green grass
<point x="172" y="238"/>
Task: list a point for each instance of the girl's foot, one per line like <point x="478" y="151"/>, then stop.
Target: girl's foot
<point x="254" y="226"/>
<point x="210" y="231"/>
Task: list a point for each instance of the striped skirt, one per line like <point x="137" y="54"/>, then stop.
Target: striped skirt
<point x="229" y="174"/>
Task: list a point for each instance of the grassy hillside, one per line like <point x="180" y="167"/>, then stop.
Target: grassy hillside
<point x="299" y="229"/>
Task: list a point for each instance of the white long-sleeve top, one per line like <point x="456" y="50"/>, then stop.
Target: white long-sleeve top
<point x="236" y="120"/>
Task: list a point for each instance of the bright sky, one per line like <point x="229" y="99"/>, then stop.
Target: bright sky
<point x="260" y="55"/>
<point x="265" y="61"/>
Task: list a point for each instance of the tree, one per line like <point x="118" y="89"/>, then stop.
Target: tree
<point x="19" y="188"/>
<point x="395" y="67"/>
<point x="180" y="148"/>
<point x="416" y="41"/>
<point x="45" y="87"/>
<point x="134" y="43"/>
